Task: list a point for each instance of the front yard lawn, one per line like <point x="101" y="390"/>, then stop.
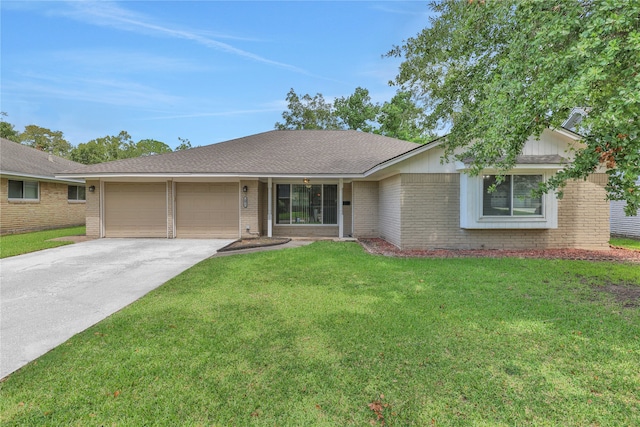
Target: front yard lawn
<point x="18" y="244"/>
<point x="329" y="335"/>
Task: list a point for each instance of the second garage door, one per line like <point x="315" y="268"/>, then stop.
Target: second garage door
<point x="135" y="210"/>
<point x="207" y="210"/>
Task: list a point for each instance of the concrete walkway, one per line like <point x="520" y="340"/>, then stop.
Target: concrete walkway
<point x="46" y="297"/>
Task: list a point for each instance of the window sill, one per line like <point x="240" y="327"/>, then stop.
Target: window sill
<point x="509" y="223"/>
<point x="76" y="202"/>
<point x="24" y="201"/>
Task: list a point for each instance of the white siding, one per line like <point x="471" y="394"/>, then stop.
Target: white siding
<point x="550" y="143"/>
<point x="622" y="225"/>
<point x="427" y="162"/>
<point x="389" y="210"/>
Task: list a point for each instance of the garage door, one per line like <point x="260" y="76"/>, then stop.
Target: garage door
<point x="135" y="210"/>
<point x="208" y="210"/>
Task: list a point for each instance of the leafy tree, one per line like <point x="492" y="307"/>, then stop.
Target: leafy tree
<point x="7" y="130"/>
<point x="497" y="72"/>
<point x="308" y="113"/>
<point x="185" y="144"/>
<point x="356" y="111"/>
<point x="44" y="139"/>
<point x="402" y="118"/>
<point x="147" y="147"/>
<point x="104" y="149"/>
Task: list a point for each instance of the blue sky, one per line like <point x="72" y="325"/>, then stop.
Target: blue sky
<point x="208" y="71"/>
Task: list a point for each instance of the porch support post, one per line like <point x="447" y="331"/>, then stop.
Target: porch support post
<point x="340" y="216"/>
<point x="269" y="207"/>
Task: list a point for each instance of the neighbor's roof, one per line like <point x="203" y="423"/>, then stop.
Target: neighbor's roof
<point x="21" y="160"/>
<point x="278" y="152"/>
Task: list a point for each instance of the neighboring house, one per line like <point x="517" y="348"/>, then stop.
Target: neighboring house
<point x="345" y="183"/>
<point x="622" y="225"/>
<point x="31" y="197"/>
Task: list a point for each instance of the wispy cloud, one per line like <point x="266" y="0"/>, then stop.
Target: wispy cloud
<point x="105" y="91"/>
<point x="112" y="15"/>
<point x="113" y="60"/>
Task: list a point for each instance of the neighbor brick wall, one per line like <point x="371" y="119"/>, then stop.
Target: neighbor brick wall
<point x="93" y="210"/>
<point x="53" y="210"/>
<point x="249" y="216"/>
<point x="431" y="218"/>
<point x="365" y="208"/>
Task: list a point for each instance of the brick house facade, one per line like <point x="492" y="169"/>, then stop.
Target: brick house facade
<point x="348" y="184"/>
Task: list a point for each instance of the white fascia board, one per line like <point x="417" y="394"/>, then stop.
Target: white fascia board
<point x="523" y="166"/>
<point x="209" y="175"/>
<point x="568" y="133"/>
<point x="402" y="157"/>
<point x="73" y="180"/>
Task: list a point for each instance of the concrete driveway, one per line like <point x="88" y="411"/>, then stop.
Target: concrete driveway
<point x="47" y="297"/>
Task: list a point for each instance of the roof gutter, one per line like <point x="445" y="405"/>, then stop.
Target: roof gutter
<point x="71" y="179"/>
<point x="209" y="175"/>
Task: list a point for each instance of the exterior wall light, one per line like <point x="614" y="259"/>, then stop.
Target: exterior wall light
<point x="92" y="189"/>
<point x="245" y="189"/>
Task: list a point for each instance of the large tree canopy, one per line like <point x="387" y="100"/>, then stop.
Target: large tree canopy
<point x="308" y="113"/>
<point x="399" y="118"/>
<point x="494" y="73"/>
<point x="115" y="147"/>
<point x="44" y="139"/>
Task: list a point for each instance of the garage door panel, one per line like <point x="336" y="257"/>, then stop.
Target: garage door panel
<point x="207" y="210"/>
<point x="135" y="210"/>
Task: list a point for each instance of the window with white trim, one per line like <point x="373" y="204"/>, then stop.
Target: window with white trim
<point x="512" y="205"/>
<point x="307" y="204"/>
<point x="511" y="197"/>
<point x="76" y="193"/>
<point x="24" y="190"/>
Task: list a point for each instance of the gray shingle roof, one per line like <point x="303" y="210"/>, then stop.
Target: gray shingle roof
<point x="308" y="152"/>
<point x="20" y="160"/>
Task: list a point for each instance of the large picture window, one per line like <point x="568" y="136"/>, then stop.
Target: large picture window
<point x="26" y="190"/>
<point x="512" y="197"/>
<point x="306" y="204"/>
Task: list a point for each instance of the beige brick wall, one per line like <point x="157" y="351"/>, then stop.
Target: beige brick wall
<point x="365" y="208"/>
<point x="249" y="216"/>
<point x="305" y="231"/>
<point x="431" y="218"/>
<point x="390" y="209"/>
<point x="347" y="211"/>
<point x="53" y="210"/>
<point x="93" y="210"/>
<point x="262" y="207"/>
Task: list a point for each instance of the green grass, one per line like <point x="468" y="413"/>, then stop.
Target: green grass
<point x="314" y="335"/>
<point x="625" y="243"/>
<point x="18" y="244"/>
